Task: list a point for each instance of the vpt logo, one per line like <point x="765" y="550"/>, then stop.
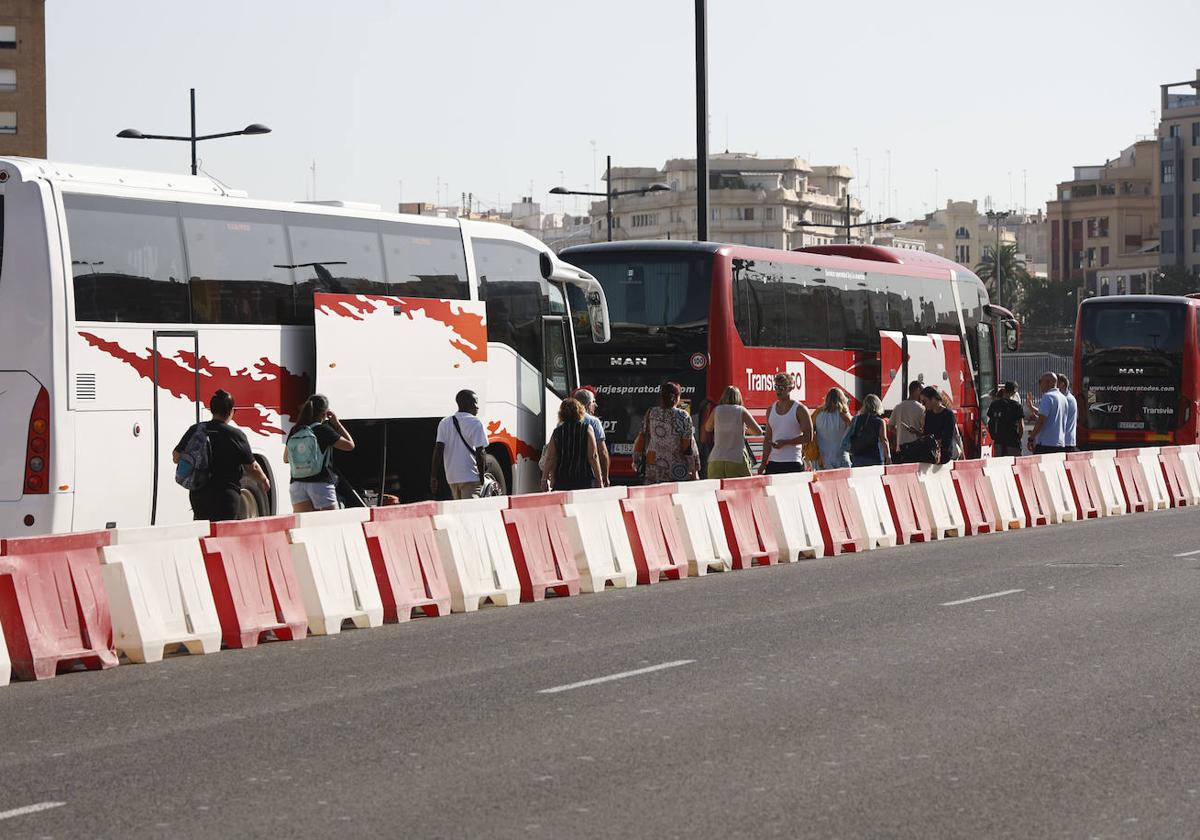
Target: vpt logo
<point x="628" y="361"/>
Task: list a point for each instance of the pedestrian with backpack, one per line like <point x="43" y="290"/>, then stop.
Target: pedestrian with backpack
<point x="308" y="453"/>
<point x="867" y="438"/>
<point x="460" y="450"/>
<point x="210" y="460"/>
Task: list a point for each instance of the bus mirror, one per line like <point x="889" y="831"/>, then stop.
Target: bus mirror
<point x="1012" y="336"/>
<point x="558" y="271"/>
<point x="598" y="315"/>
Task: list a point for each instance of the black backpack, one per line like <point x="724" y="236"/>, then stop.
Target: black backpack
<point x="864" y="440"/>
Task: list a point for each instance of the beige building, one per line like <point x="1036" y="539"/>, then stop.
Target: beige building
<point x="23" y="78"/>
<point x="752" y="201"/>
<point x="957" y="232"/>
<point x="1104" y="224"/>
<point x="1178" y="176"/>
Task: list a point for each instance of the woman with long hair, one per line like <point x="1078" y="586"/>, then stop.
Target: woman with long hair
<point x="307" y="451"/>
<point x="868" y="435"/>
<point x="668" y="439"/>
<point x="572" y="459"/>
<point x="830" y="424"/>
<point x="728" y="423"/>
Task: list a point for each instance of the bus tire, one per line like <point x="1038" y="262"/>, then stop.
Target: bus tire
<point x="253" y="499"/>
<point x="493" y="468"/>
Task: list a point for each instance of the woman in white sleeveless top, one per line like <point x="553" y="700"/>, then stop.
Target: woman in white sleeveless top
<point x="788" y="428"/>
<point x="831" y="423"/>
<point x="728" y="424"/>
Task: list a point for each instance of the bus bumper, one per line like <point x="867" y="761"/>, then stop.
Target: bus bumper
<point x="33" y="516"/>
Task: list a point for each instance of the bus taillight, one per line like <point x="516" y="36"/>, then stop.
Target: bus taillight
<point x="37" y="448"/>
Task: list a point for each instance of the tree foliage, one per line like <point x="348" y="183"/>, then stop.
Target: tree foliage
<point x="1176" y="280"/>
<point x="1048" y="303"/>
<point x="1013" y="274"/>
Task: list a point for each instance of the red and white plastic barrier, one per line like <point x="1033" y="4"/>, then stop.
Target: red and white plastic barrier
<point x="866" y="483"/>
<point x="746" y="516"/>
<point x="53" y="609"/>
<point x="253" y="581"/>
<point x="1062" y="501"/>
<point x="475" y="551"/>
<point x="906" y="500"/>
<point x="790" y="502"/>
<point x="701" y="527"/>
<point x="1156" y="482"/>
<point x="408" y="565"/>
<point x="1005" y="493"/>
<point x="941" y="500"/>
<point x="841" y="520"/>
<point x="1085" y="486"/>
<point x="5" y="664"/>
<point x="654" y="534"/>
<point x="1189" y="462"/>
<point x="1104" y="462"/>
<point x="981" y="514"/>
<point x="541" y="545"/>
<point x="158" y="591"/>
<point x="333" y="568"/>
<point x="1179" y="485"/>
<point x="597" y="528"/>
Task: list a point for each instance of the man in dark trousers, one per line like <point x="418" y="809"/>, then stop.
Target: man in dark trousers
<point x="217" y="500"/>
<point x="1006" y="421"/>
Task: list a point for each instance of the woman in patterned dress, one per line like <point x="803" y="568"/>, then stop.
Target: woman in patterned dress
<point x="671" y="453"/>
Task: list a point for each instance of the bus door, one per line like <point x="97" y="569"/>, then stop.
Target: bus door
<point x="931" y="359"/>
<point x="176" y="406"/>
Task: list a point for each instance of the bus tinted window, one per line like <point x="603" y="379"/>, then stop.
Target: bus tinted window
<point x="651" y="292"/>
<point x="127" y="260"/>
<point x="510" y="281"/>
<point x="1134" y="329"/>
<point x="783" y="305"/>
<point x="425" y="261"/>
<point x="238" y="261"/>
<point x="336" y="255"/>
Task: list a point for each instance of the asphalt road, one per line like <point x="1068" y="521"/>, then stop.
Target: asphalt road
<point x="833" y="698"/>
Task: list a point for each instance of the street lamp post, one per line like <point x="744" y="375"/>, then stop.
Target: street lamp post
<point x="609" y="193"/>
<point x="848" y="226"/>
<point x="193" y="138"/>
<point x="997" y="218"/>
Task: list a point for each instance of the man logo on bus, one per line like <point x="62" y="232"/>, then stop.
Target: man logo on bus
<point x="628" y="361"/>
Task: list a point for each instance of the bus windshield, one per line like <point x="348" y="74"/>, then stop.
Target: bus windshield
<point x="649" y="290"/>
<point x="1131" y="355"/>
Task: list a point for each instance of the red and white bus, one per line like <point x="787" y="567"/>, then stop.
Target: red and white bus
<point x="862" y="318"/>
<point x="128" y="298"/>
<point x="1138" y="363"/>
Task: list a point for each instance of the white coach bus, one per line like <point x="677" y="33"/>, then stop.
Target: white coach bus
<point x="128" y="298"/>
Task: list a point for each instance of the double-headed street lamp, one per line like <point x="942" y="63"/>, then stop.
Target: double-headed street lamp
<point x="890" y="220"/>
<point x="193" y="138"/>
<point x="610" y="193"/>
<point x="997" y="218"/>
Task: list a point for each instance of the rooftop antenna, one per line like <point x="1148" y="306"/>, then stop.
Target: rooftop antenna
<point x="314" y="179"/>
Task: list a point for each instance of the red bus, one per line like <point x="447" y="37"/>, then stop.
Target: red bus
<point x="1138" y="369"/>
<point x="864" y="318"/>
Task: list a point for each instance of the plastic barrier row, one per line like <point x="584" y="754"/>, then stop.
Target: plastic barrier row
<point x="82" y="599"/>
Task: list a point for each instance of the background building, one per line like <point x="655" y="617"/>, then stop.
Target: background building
<point x="1179" y="175"/>
<point x="752" y="201"/>
<point x="1104" y="224"/>
<point x="23" y="78"/>
<point x="957" y="232"/>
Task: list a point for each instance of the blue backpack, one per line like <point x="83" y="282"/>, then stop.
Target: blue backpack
<point x="195" y="461"/>
<point x="304" y="453"/>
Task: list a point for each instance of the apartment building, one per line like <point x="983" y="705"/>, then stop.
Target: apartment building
<point x="1179" y="175"/>
<point x="768" y="202"/>
<point x="1104" y="224"/>
<point x="957" y="232"/>
<point x="23" y="78"/>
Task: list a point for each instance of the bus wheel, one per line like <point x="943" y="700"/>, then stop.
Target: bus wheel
<point x="253" y="499"/>
<point x="492" y="467"/>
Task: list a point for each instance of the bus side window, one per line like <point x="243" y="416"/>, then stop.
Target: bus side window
<point x="240" y="267"/>
<point x="425" y="261"/>
<point x="127" y="260"/>
<point x="337" y="255"/>
<point x="511" y="284"/>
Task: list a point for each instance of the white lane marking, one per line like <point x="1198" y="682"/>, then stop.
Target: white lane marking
<point x="982" y="597"/>
<point x="584" y="683"/>
<point x="1188" y="553"/>
<point x="30" y="809"/>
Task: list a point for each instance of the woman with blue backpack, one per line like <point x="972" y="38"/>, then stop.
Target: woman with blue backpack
<point x="308" y="450"/>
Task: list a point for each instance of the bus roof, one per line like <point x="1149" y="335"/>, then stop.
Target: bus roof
<point x="1187" y="300"/>
<point x="861" y="258"/>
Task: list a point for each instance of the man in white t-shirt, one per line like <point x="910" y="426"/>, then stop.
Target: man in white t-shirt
<point x="908" y="415"/>
<point x="460" y="445"/>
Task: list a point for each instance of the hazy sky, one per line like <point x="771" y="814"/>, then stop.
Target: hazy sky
<point x="492" y="97"/>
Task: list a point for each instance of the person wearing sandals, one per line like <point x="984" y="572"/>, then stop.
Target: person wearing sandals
<point x="728" y="424"/>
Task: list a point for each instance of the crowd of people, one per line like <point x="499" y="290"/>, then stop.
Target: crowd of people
<point x="921" y="428"/>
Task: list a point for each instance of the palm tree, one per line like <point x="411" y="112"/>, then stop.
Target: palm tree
<point x="1012" y="273"/>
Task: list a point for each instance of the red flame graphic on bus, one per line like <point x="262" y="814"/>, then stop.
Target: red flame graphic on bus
<point x="470" y="329"/>
<point x="517" y="447"/>
<point x="265" y="386"/>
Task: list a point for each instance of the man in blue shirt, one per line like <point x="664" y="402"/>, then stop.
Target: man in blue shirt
<point x="1064" y="387"/>
<point x="588" y="399"/>
<point x="1050" y="431"/>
